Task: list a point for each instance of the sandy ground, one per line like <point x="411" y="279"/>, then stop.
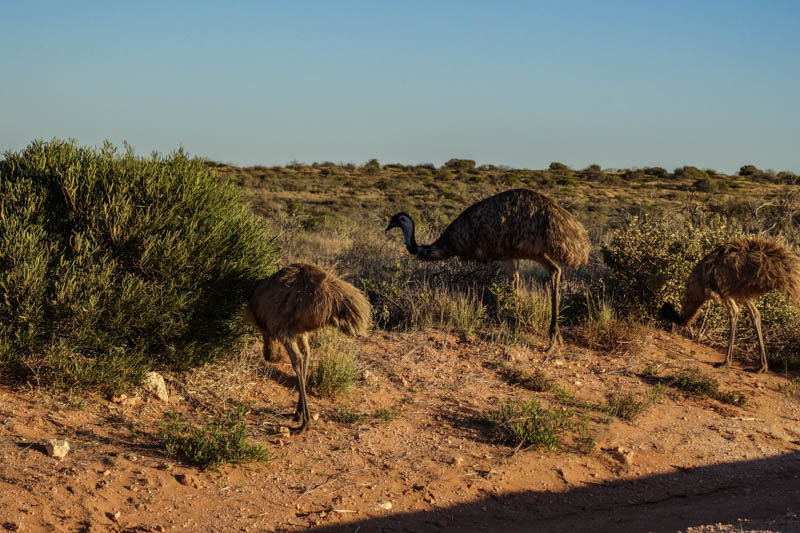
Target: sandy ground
<point x="694" y="464"/>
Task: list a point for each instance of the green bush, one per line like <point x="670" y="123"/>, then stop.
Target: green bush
<point x="650" y="258"/>
<point x="218" y="442"/>
<point x="111" y="264"/>
<point x="690" y="172"/>
<point x="658" y="172"/>
<point x="527" y="423"/>
<point x="460" y="164"/>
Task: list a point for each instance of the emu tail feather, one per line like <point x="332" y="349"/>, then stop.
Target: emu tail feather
<point x="351" y="311"/>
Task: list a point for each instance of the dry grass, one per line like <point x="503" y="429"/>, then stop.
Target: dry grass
<point x="330" y="214"/>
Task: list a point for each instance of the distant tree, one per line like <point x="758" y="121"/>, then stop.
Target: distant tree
<point x="460" y="164"/>
<point x="658" y="172"/>
<point x="749" y="170"/>
<point x="372" y="166"/>
<point x="691" y="173"/>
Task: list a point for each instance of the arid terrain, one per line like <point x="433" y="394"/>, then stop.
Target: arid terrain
<point x="418" y="456"/>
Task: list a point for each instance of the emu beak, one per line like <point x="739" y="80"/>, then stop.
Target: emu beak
<point x="390" y="226"/>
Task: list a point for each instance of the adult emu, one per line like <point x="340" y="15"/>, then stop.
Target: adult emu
<point x="738" y="272"/>
<point x="513" y="225"/>
<point x="297" y="300"/>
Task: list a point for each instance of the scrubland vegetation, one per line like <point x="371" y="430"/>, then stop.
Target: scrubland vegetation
<point x="648" y="228"/>
<point x="113" y="264"/>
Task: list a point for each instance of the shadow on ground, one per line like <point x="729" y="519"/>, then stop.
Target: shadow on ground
<point x="764" y="492"/>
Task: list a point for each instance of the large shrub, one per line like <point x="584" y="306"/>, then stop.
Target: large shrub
<point x="111" y="264"/>
<point x="650" y="258"/>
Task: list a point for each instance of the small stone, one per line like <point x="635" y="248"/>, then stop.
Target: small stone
<point x="56" y="448"/>
<point x="315" y="416"/>
<point x="385" y="506"/>
<point x="284" y="430"/>
<point x="186" y="479"/>
<point x="457" y="461"/>
<point x="155" y="385"/>
<point x="623" y="455"/>
<point x="106" y="472"/>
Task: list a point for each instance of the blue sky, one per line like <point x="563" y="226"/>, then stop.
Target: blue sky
<point x="621" y="84"/>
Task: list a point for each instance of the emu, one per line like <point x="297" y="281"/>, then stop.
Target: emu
<point x="510" y="226"/>
<point x="295" y="301"/>
<point x="736" y="273"/>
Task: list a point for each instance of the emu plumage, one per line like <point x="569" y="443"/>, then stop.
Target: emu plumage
<point x="510" y="226"/>
<point x="738" y="272"/>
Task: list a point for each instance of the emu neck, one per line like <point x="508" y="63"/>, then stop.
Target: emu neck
<point x="424" y="252"/>
<point x="411" y="242"/>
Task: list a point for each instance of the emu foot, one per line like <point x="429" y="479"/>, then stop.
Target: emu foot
<point x="724" y="364"/>
<point x="298" y="430"/>
<point x="762" y="369"/>
<point x="301" y="428"/>
<point x="556" y="341"/>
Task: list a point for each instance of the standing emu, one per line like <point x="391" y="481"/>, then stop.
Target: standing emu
<point x="739" y="271"/>
<point x="297" y="300"/>
<point x="513" y="225"/>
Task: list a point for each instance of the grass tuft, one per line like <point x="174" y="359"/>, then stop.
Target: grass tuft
<point x="706" y="386"/>
<point x="336" y="371"/>
<point x="220" y="441"/>
<point x="528" y="424"/>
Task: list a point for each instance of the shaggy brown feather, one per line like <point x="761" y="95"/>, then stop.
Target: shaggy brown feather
<point x="738" y="272"/>
<point x="299" y="299"/>
<point x="513" y="225"/>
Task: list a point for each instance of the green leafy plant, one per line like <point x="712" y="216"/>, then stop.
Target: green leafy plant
<point x="528" y="424"/>
<point x="220" y="441"/>
<point x="698" y="385"/>
<point x="111" y="264"/>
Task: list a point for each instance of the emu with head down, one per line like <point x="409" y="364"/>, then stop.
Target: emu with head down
<point x="297" y="300"/>
<point x="739" y="271"/>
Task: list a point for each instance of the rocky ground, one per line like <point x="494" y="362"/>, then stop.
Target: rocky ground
<point x="407" y="451"/>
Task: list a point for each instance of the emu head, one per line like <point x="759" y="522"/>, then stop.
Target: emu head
<point x="402" y="221"/>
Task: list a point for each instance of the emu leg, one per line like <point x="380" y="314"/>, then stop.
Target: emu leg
<point x="555" y="280"/>
<point x="756" y="317"/>
<point x="733" y="312"/>
<point x="306" y="362"/>
<point x="298" y="363"/>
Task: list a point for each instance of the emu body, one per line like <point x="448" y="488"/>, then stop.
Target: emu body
<point x="297" y="300"/>
<point x="510" y="226"/>
<point x="736" y="273"/>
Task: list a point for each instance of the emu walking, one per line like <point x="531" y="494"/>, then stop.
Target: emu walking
<point x="297" y="300"/>
<point x="738" y="272"/>
<point x="513" y="225"/>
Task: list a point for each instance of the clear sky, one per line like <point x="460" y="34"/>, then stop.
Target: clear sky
<point x="714" y="84"/>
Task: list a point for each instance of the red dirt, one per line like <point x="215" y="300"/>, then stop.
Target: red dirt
<point x="695" y="463"/>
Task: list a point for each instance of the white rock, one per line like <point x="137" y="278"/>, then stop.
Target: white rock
<point x="56" y="448"/>
<point x="154" y="384"/>
<point x="386" y="505"/>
